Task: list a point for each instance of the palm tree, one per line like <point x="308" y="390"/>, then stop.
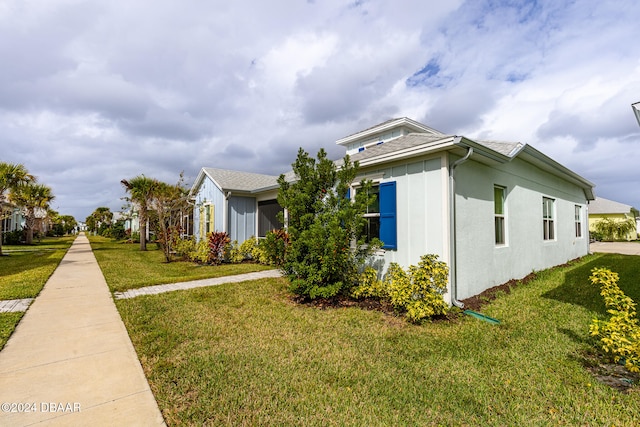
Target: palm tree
<point x="11" y="176"/>
<point x="34" y="200"/>
<point x="141" y="190"/>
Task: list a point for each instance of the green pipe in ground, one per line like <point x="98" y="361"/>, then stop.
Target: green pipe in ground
<point x="482" y="317"/>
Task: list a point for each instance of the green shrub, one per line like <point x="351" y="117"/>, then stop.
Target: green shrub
<point x="369" y="286"/>
<point x="233" y="253"/>
<point x="13" y="237"/>
<point x="619" y="335"/>
<point x="184" y="247"/>
<point x="259" y="253"/>
<point x="419" y="291"/>
<point x="275" y="246"/>
<point x="327" y="244"/>
<point x="247" y="248"/>
<point x="200" y="254"/>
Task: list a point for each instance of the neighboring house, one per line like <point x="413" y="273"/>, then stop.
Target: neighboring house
<point x="12" y="218"/>
<point x="603" y="208"/>
<point x="493" y="211"/>
<point x="242" y="204"/>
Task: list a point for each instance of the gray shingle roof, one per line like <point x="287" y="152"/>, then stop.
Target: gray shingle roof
<point x="605" y="206"/>
<point x="241" y="181"/>
<point x="403" y="142"/>
<point x="507" y="148"/>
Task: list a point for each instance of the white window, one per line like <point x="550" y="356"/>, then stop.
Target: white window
<point x="548" y="216"/>
<point x="578" y="220"/>
<point x="499" y="214"/>
<point x="373" y="215"/>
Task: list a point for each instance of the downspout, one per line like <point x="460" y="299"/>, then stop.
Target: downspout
<point x="452" y="228"/>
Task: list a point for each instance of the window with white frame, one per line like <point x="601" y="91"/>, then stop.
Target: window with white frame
<point x="499" y="214"/>
<point x="548" y="218"/>
<point x="578" y="220"/>
<point x="381" y="215"/>
<point x="373" y="215"/>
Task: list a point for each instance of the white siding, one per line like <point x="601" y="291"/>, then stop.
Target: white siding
<point x="421" y="211"/>
<point x="482" y="264"/>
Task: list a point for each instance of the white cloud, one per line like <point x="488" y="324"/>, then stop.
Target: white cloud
<point x="93" y="92"/>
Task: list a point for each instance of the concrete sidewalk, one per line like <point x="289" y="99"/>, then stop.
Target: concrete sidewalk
<point x="625" y="248"/>
<point x="70" y="360"/>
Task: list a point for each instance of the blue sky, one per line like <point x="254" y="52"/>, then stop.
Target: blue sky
<point x="92" y="92"/>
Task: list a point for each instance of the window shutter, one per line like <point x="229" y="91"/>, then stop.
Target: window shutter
<point x="212" y="224"/>
<point x="201" y="223"/>
<point x="388" y="227"/>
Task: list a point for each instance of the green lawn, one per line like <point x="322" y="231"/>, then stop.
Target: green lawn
<point x="126" y="267"/>
<point x="23" y="272"/>
<point x="244" y="354"/>
<point x="25" y="269"/>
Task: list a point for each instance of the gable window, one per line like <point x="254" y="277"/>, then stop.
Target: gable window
<point x="381" y="215"/>
<point x="499" y="214"/>
<point x="548" y="219"/>
<point x="578" y="220"/>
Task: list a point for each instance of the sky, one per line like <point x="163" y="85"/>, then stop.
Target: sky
<point x="96" y="91"/>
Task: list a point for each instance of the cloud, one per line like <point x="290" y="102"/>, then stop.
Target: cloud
<point x="93" y="92"/>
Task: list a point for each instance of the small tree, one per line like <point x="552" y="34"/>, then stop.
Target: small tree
<point x="169" y="202"/>
<point x="100" y="219"/>
<point x="325" y="226"/>
<point x="34" y="200"/>
<point x="611" y="229"/>
<point x="140" y="189"/>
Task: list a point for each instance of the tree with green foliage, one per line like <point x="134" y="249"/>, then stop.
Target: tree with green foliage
<point x="327" y="244"/>
<point x="12" y="175"/>
<point x="99" y="220"/>
<point x="140" y="189"/>
<point x="34" y="201"/>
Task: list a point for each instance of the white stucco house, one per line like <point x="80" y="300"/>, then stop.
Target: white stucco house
<point x="493" y="211"/>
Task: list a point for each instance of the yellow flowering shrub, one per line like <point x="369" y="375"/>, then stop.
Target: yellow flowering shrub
<point x="619" y="335"/>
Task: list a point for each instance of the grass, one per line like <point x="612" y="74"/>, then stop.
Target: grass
<point x="244" y="354"/>
<point x="25" y="269"/>
<point x="126" y="267"/>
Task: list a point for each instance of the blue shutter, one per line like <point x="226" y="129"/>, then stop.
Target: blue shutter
<point x="388" y="227"/>
<point x="348" y="194"/>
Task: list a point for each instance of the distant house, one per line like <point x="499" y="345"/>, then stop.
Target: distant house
<point x="12" y="218"/>
<point x="243" y="204"/>
<point x="494" y="211"/>
<point x="601" y="208"/>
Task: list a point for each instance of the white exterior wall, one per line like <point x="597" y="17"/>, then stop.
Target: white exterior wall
<point x="480" y="263"/>
<point x="422" y="210"/>
<point x="208" y="192"/>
